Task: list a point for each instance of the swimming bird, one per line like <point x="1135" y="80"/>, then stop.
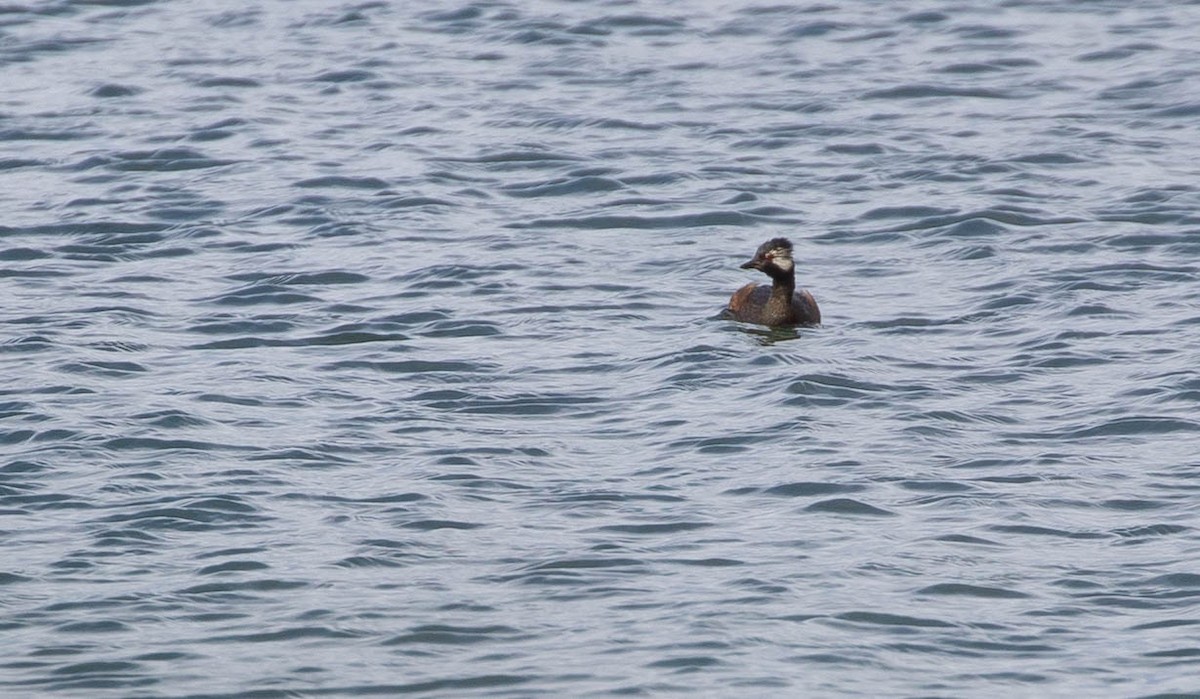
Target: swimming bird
<point x="780" y="303"/>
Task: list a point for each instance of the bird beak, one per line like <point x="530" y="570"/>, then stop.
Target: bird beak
<point x="752" y="264"/>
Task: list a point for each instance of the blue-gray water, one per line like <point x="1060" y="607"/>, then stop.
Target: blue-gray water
<point x="369" y="349"/>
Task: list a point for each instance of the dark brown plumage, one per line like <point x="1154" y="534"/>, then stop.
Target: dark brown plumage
<point x="780" y="303"/>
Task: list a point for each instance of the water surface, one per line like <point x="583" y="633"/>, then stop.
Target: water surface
<point x="373" y="349"/>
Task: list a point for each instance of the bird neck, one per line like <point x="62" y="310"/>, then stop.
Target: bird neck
<point x="783" y="282"/>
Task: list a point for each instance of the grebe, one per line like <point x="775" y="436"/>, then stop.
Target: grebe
<point x="780" y="303"/>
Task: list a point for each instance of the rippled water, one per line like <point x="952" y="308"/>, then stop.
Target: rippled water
<point x="374" y="349"/>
